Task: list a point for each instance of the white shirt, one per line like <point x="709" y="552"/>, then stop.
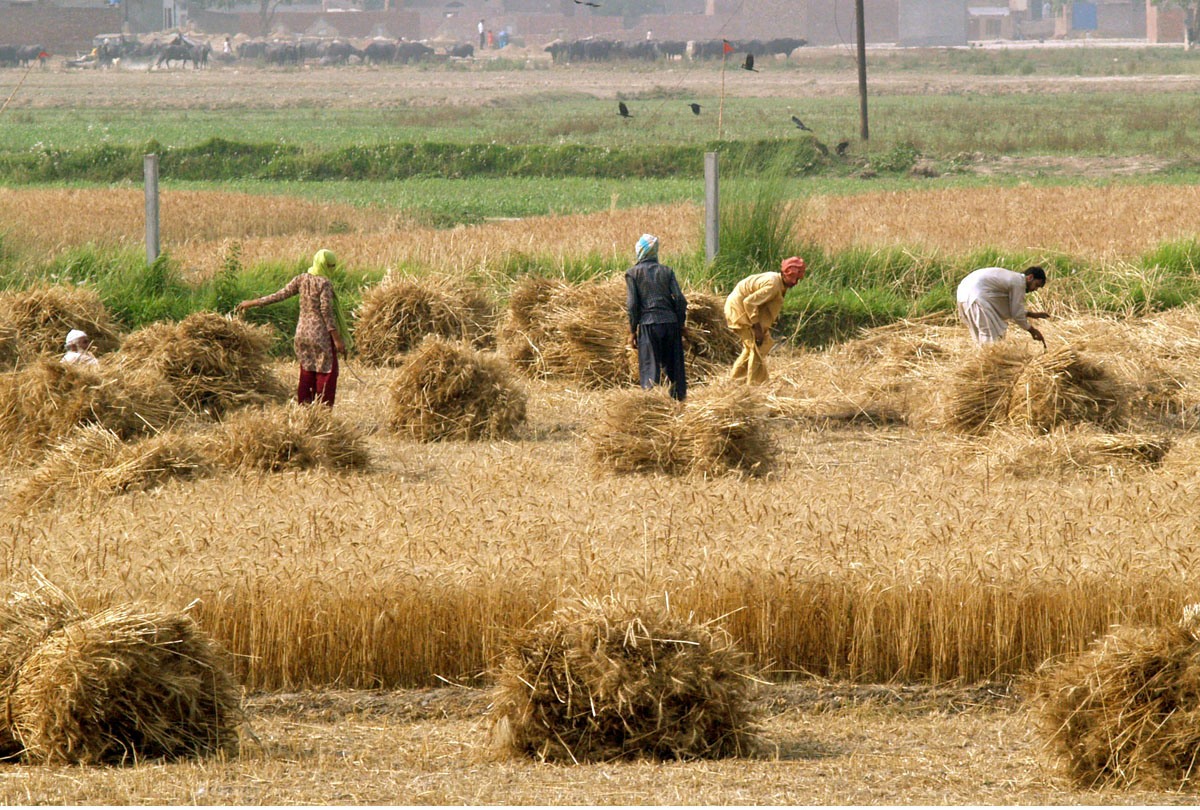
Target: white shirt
<point x="74" y="358"/>
<point x="1001" y="290"/>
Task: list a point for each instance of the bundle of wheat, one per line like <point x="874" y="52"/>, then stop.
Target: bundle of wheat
<point x="41" y="316"/>
<point x="41" y="403"/>
<point x="979" y="390"/>
<point x="124" y="685"/>
<point x="398" y="313"/>
<point x="1063" y="386"/>
<point x="607" y="679"/>
<point x="92" y="459"/>
<point x="272" y="438"/>
<point x="709" y="345"/>
<point x="449" y="391"/>
<point x="724" y="430"/>
<point x="638" y="431"/>
<point x="212" y="363"/>
<point x="27" y="618"/>
<point x="1128" y="709"/>
<point x="580" y="332"/>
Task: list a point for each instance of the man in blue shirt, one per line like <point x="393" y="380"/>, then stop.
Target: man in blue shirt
<point x="657" y="314"/>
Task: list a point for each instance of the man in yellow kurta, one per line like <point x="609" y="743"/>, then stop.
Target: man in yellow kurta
<point x="751" y="309"/>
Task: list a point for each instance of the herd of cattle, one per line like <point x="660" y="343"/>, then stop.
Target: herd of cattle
<point x="196" y="52"/>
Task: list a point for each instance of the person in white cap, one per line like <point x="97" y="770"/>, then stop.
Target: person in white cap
<point x="78" y="346"/>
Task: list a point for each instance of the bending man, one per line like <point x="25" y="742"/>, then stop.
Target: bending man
<point x="657" y="314"/>
<point x="752" y="309"/>
<point x="991" y="296"/>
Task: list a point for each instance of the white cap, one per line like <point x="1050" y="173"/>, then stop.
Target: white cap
<point x="74" y="335"/>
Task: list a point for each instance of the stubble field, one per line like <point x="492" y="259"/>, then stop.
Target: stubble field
<point x="872" y="553"/>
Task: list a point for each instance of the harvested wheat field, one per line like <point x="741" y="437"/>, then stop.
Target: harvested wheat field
<point x="850" y="559"/>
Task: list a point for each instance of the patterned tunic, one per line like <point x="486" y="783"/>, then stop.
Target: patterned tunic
<point x="314" y="346"/>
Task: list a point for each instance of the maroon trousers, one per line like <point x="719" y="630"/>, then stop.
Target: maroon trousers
<point x="314" y="384"/>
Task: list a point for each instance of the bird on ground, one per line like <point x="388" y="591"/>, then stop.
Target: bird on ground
<point x="841" y="147"/>
<point x="695" y="108"/>
<point x="622" y="110"/>
<point x="800" y="124"/>
<point x="749" y="63"/>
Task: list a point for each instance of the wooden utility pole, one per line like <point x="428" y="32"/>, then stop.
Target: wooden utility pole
<point x="864" y="131"/>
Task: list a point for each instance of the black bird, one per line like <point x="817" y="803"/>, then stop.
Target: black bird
<point x="749" y="63"/>
<point x="841" y="147"/>
<point x="622" y="110"/>
<point x="593" y="5"/>
<point x="800" y="124"/>
<point x="695" y="108"/>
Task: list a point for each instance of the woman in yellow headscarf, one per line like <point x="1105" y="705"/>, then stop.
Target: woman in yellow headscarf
<point x="319" y="332"/>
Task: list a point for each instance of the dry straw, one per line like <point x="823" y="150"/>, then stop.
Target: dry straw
<point x="273" y="438"/>
<point x="124" y="685"/>
<point x="212" y="363"/>
<point x="42" y="316"/>
<point x="1064" y="386"/>
<point x="447" y="390"/>
<point x="398" y="313"/>
<point x="94" y="460"/>
<point x="40" y="404"/>
<point x="1127" y="710"/>
<point x="579" y="332"/>
<point x="605" y="679"/>
<point x="722" y="429"/>
<point x="1077" y="449"/>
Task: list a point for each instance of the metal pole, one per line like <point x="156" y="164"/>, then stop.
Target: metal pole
<point x="711" y="218"/>
<point x="150" y="170"/>
<point x="864" y="132"/>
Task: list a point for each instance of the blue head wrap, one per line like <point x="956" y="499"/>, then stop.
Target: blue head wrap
<point x="647" y="247"/>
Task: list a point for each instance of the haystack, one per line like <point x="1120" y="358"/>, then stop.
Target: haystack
<point x="638" y="431"/>
<point x="41" y="403"/>
<point x="1127" y="710"/>
<point x="41" y="317"/>
<point x="449" y="391"/>
<point x="1062" y="387"/>
<point x="273" y="438"/>
<point x="94" y="460"/>
<point x="212" y="363"/>
<point x="722" y="429"/>
<point x="27" y="618"/>
<point x="123" y="686"/>
<point x="579" y="332"/>
<point x="398" y="313"/>
<point x="979" y="391"/>
<point x="607" y="680"/>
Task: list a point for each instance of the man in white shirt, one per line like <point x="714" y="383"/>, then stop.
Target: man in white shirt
<point x="991" y="296"/>
<point x="78" y="345"/>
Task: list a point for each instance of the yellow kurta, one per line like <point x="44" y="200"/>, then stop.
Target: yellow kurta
<point x="756" y="299"/>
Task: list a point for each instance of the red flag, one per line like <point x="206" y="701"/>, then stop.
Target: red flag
<point x="727" y="47"/>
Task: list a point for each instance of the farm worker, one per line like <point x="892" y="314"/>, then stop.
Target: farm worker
<point x="318" y="332"/>
<point x="657" y="314"/>
<point x="751" y="310"/>
<point x="78" y="346"/>
<point x="991" y="296"/>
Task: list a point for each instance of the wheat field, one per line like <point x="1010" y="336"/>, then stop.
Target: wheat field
<point x="1109" y="225"/>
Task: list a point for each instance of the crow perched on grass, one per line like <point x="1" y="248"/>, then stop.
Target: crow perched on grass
<point x="622" y="110"/>
<point x="695" y="108"/>
<point x="841" y="147"/>
<point x="800" y="124"/>
<point x="749" y="63"/>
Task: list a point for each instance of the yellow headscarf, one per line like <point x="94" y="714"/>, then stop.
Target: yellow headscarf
<point x="323" y="262"/>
